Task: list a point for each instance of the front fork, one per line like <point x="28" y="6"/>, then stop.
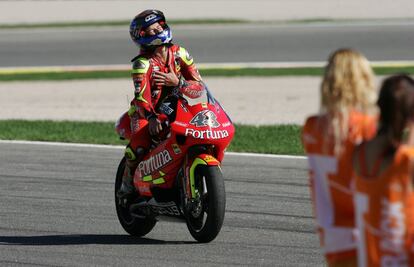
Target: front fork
<point x="191" y="192"/>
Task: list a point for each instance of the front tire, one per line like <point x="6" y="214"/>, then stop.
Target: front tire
<point x="206" y="216"/>
<point x="132" y="225"/>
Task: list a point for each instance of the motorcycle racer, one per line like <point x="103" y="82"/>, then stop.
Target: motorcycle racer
<point x="160" y="69"/>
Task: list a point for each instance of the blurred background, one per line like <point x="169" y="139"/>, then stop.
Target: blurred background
<point x="214" y="31"/>
<point x="266" y="35"/>
<point x="90" y="35"/>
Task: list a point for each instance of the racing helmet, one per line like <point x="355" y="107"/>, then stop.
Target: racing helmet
<point x="145" y="19"/>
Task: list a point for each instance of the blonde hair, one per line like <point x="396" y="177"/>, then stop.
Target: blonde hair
<point x="348" y="84"/>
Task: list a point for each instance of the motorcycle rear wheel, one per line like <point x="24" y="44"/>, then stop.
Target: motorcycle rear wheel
<point x="132" y="225"/>
<point x="205" y="218"/>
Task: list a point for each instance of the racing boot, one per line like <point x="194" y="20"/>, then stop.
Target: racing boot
<point x="127" y="188"/>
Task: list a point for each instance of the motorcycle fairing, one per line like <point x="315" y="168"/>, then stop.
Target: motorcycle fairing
<point x="211" y="127"/>
<point x="158" y="170"/>
<point x="123" y="126"/>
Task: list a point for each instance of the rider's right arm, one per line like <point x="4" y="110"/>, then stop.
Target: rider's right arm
<point x="141" y="73"/>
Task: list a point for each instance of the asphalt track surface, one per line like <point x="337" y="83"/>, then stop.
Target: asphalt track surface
<point x="57" y="210"/>
<point x="210" y="43"/>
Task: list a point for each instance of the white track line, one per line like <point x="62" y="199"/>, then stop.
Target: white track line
<point x="243" y="154"/>
<point x="121" y="147"/>
<point x="22" y="142"/>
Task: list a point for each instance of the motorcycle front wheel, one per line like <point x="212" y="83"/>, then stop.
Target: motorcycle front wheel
<point x="132" y="225"/>
<point x="206" y="213"/>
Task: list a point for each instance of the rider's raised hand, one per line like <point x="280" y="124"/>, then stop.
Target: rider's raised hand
<point x="166" y="79"/>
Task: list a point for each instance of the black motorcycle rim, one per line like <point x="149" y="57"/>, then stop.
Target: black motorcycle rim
<point x="198" y="214"/>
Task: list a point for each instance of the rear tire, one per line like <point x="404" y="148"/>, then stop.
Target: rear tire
<point x="205" y="219"/>
<point x="132" y="225"/>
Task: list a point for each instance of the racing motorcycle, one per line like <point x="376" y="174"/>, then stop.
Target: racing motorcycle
<point x="180" y="178"/>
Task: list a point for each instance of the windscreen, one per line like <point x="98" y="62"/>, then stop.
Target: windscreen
<point x="206" y="97"/>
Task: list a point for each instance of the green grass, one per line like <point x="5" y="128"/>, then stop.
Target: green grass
<point x="60" y="131"/>
<point x="277" y="139"/>
<point x="70" y="75"/>
<point x="271" y="139"/>
<point x="217" y="72"/>
<point x="393" y="70"/>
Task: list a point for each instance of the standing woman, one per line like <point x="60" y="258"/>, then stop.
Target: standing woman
<point x="384" y="175"/>
<point x="347" y="95"/>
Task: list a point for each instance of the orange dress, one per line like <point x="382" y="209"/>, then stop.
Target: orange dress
<point x="384" y="213"/>
<point x="330" y="182"/>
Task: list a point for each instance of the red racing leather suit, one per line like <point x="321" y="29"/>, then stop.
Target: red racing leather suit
<point x="147" y="95"/>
